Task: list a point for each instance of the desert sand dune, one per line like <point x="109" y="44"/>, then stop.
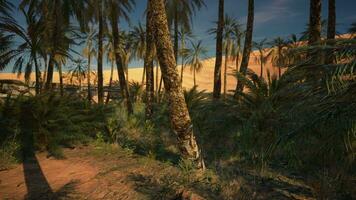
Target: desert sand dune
<point x="204" y="78"/>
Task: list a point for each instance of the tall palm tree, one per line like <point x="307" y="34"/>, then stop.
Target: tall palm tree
<point x="148" y="62"/>
<point x="279" y="56"/>
<point x="179" y="13"/>
<point x="56" y="15"/>
<point x="184" y="35"/>
<point x="263" y="54"/>
<point x="247" y="46"/>
<point x="119" y="9"/>
<point x="229" y="26"/>
<point x="179" y="115"/>
<point x="89" y="52"/>
<point x="314" y="22"/>
<point x="110" y="55"/>
<point x="78" y="71"/>
<point x="331" y="28"/>
<point x="238" y="35"/>
<point x="29" y="48"/>
<point x="194" y="59"/>
<point x="219" y="51"/>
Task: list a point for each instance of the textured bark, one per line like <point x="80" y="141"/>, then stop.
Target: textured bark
<point x="148" y="64"/>
<point x="88" y="75"/>
<point x="225" y="70"/>
<point x="60" y="79"/>
<point x="331" y="29"/>
<point x="100" y="55"/>
<point x="247" y="46"/>
<point x="38" y="76"/>
<point x="219" y="47"/>
<point x="55" y="16"/>
<point x="315" y="22"/>
<point x="119" y="63"/>
<point x="176" y="35"/>
<point x="179" y="115"/>
<point x="110" y="83"/>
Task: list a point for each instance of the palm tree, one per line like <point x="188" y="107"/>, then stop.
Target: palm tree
<point x="138" y="40"/>
<point x="247" y="46"/>
<point x="219" y="51"/>
<point x="194" y="58"/>
<point x="56" y="18"/>
<point x="89" y="51"/>
<point x="117" y="10"/>
<point x="78" y="71"/>
<point x="238" y="35"/>
<point x="110" y="55"/>
<point x="229" y="26"/>
<point x="279" y="54"/>
<point x="179" y="13"/>
<point x="179" y="115"/>
<point x="148" y="62"/>
<point x="184" y="35"/>
<point x="331" y="28"/>
<point x="314" y="22"/>
<point x="6" y="8"/>
<point x="30" y="47"/>
<point x="263" y="54"/>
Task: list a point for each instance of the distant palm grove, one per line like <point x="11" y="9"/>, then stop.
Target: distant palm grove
<point x="297" y="122"/>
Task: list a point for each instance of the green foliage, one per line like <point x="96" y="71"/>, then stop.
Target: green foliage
<point x="9" y="154"/>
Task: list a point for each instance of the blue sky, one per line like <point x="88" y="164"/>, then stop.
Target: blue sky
<point x="272" y="18"/>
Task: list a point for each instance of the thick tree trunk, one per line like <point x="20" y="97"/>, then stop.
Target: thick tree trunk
<point x="38" y="76"/>
<point x="179" y="115"/>
<point x="60" y="79"/>
<point x="50" y="73"/>
<point x="100" y="56"/>
<point x="148" y="63"/>
<point x="88" y="76"/>
<point x="176" y="41"/>
<point x="219" y="47"/>
<point x="247" y="46"/>
<point x="315" y="22"/>
<point x="143" y="75"/>
<point x="119" y="64"/>
<point x="331" y="29"/>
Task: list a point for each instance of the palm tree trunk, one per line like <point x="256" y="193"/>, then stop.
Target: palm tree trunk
<point x="45" y="71"/>
<point x="148" y="63"/>
<point x="219" y="47"/>
<point x="60" y="79"/>
<point x="50" y="73"/>
<point x="331" y="29"/>
<point x="247" y="46"/>
<point x="119" y="64"/>
<point x="315" y="22"/>
<point x="89" y="73"/>
<point x="238" y="57"/>
<point x="38" y="76"/>
<point x="261" y="59"/>
<point x="110" y="83"/>
<point x="194" y="77"/>
<point x="179" y="115"/>
<point x="143" y="75"/>
<point x="157" y="77"/>
<point x="100" y="56"/>
<point x="225" y="70"/>
<point x="176" y="35"/>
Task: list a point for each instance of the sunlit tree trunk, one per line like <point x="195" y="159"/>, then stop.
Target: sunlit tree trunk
<point x="219" y="49"/>
<point x="179" y="115"/>
<point x="148" y="63"/>
<point x="119" y="63"/>
<point x="110" y="83"/>
<point x="38" y="76"/>
<point x="225" y="70"/>
<point x="100" y="55"/>
<point x="247" y="46"/>
<point x="60" y="78"/>
<point x="88" y="76"/>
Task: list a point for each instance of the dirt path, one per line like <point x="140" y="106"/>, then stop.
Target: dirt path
<point x="82" y="175"/>
<point x="115" y="173"/>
